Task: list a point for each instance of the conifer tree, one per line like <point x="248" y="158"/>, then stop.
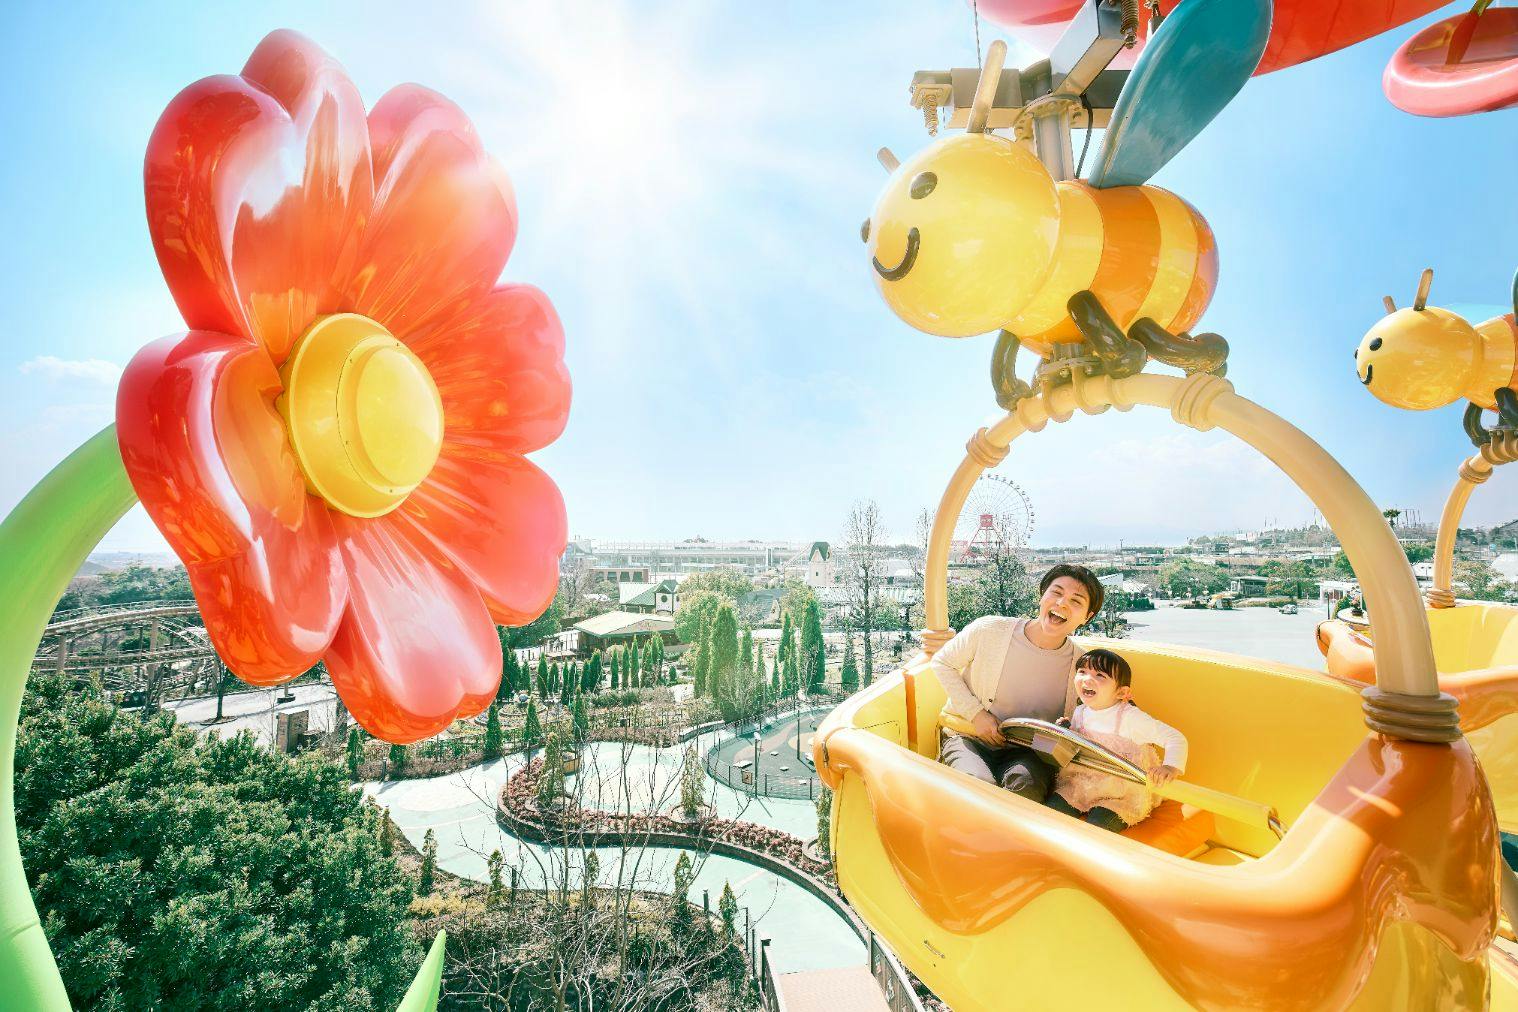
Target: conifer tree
<point x="656" y="658"/>
<point x="592" y="681"/>
<point x="542" y="676"/>
<point x="581" y="720"/>
<point x="746" y="651"/>
<point x="790" y="682"/>
<point x="787" y="637"/>
<point x="776" y="686"/>
<point x="493" y="732"/>
<point x="850" y="674"/>
<point x="727" y="907"/>
<point x="355" y="751"/>
<point x="397" y="758"/>
<point x="387" y="834"/>
<point x="497" y="888"/>
<point x="813" y="652"/>
<point x="680" y="916"/>
<point x="616" y="673"/>
<point x="701" y="667"/>
<point x="532" y="728"/>
<point x="636" y="665"/>
<point x="551" y="780"/>
<point x="429" y="864"/>
<point x="555" y="678"/>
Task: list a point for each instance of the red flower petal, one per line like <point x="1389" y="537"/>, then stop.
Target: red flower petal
<point x="257" y="188"/>
<point x="498" y="363"/>
<point x="444" y="214"/>
<point x="207" y="454"/>
<point x="416" y="649"/>
<point x="500" y="520"/>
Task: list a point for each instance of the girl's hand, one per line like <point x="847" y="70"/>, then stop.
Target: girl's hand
<point x="1163" y="775"/>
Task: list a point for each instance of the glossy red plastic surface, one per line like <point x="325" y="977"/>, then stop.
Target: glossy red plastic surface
<point x="1461" y="65"/>
<point x="273" y="199"/>
<point x="1301" y="30"/>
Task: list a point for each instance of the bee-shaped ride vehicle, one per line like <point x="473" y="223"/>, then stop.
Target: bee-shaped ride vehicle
<point x="1330" y="848"/>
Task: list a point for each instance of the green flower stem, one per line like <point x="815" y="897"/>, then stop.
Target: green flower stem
<point x="42" y="544"/>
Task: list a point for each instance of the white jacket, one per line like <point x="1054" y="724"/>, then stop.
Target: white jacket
<point x="981" y="647"/>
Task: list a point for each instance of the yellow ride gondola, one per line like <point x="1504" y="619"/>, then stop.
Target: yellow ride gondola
<point x="1304" y="864"/>
<point x="1424" y="357"/>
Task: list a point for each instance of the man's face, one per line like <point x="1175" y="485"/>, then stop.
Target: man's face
<point x="1065" y="606"/>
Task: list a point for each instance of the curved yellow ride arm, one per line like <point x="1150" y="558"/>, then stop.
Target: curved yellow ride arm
<point x="1474" y="470"/>
<point x="1406" y="701"/>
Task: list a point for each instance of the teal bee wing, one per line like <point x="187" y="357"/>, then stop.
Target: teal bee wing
<point x="1192" y="67"/>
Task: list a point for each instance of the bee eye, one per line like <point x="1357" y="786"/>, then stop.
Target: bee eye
<point x="1375" y="344"/>
<point x="864" y="231"/>
<point x="923" y="185"/>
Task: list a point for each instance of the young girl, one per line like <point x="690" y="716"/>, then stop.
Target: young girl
<point x="1104" y="714"/>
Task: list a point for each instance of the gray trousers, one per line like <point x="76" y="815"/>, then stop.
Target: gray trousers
<point x="1016" y="767"/>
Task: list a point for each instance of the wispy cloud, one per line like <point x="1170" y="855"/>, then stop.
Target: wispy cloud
<point x="89" y="370"/>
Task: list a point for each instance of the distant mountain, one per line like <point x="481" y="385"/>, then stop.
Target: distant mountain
<point x="110" y="562"/>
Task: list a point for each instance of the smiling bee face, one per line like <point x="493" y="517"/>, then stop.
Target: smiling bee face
<point x="964" y="234"/>
<point x="1418" y="358"/>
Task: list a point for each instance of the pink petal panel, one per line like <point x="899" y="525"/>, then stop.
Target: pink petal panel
<point x="444" y="214"/>
<point x="257" y="188"/>
<point x="416" y="649"/>
<point x="498" y="363"/>
<point x="501" y="520"/>
<point x="206" y="452"/>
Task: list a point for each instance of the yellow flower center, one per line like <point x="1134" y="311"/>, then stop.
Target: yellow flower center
<point x="363" y="415"/>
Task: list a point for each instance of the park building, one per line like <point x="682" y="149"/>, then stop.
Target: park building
<point x="654" y="561"/>
<point x="616" y="629"/>
<point x="645" y="598"/>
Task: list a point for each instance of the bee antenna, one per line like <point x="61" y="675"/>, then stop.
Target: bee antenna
<point x="887" y="159"/>
<point x="985" y="90"/>
<point x="1389" y="303"/>
<point x="1424" y="284"/>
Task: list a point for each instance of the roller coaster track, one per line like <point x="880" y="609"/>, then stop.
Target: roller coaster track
<point x="143" y="646"/>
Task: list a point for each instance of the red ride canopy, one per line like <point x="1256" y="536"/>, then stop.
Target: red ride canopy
<point x="1464" y="64"/>
<point x="1302" y="30"/>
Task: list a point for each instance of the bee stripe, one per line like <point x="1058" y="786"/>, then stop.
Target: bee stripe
<point x="1174" y="258"/>
<point x="1205" y="280"/>
<point x="1076" y="258"/>
<point x="1130" y="238"/>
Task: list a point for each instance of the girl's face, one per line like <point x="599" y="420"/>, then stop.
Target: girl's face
<point x="1097" y="689"/>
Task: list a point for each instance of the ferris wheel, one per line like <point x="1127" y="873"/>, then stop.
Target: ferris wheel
<point x="997" y="517"/>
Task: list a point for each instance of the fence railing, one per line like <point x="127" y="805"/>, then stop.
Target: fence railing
<point x="895" y="986"/>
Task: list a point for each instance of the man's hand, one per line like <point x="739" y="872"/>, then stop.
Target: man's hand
<point x="987" y="729"/>
<point x="1162" y="775"/>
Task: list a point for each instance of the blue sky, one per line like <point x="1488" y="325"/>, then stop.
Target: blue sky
<point x="691" y="178"/>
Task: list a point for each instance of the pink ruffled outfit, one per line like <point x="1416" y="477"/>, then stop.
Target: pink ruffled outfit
<point x="1087" y="789"/>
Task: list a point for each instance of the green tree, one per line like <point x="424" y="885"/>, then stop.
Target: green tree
<point x="551" y="780"/>
<point x="571" y="681"/>
<point x="636" y="664"/>
<point x="354" y="753"/>
<point x="1480" y="580"/>
<point x="794" y="599"/>
<point x="696" y="609"/>
<point x="555" y="677"/>
<point x="685" y="877"/>
<point x="497" y="887"/>
<point x="538" y="630"/>
<point x="1192" y="578"/>
<point x="593" y="673"/>
<point x="787" y="637"/>
<point x="776" y="685"/>
<point x="186" y="873"/>
<point x="813" y="653"/>
<point x="746" y="651"/>
<point x="790" y="682"/>
<point x="616" y="673"/>
<point x="387" y="834"/>
<point x="542" y="676"/>
<point x="727" y="907"/>
<point x="493" y="732"/>
<point x="532" y="728"/>
<point x="581" y="720"/>
<point x="849" y="676"/>
<point x="656" y="657"/>
<point x="701" y="665"/>
<point x="398" y="758"/>
<point x="429" y="864"/>
<point x="722" y="581"/>
<point x="724" y="651"/>
<point x="692" y="781"/>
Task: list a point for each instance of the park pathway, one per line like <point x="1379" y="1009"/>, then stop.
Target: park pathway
<point x="846" y="989"/>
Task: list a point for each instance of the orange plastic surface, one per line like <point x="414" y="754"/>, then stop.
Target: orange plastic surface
<point x="1399" y="834"/>
<point x="1461" y="65"/>
<point x="272" y="200"/>
<point x="1485" y="695"/>
<point x="1174" y="828"/>
<point x="1301" y="30"/>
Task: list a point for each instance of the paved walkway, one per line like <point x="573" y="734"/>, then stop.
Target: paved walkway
<point x="849" y="989"/>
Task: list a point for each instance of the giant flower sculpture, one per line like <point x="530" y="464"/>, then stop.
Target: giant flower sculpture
<point x="335" y="449"/>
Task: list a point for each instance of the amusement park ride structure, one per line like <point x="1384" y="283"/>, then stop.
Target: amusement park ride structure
<point x="997" y="519"/>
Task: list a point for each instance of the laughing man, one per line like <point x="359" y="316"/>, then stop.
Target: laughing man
<point x="998" y="668"/>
